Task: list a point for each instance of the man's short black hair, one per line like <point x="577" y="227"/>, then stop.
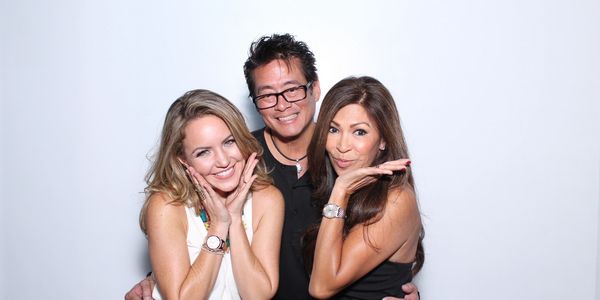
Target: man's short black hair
<point x="279" y="46"/>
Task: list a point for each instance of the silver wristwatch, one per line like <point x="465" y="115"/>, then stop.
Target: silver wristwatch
<point x="214" y="244"/>
<point x="332" y="210"/>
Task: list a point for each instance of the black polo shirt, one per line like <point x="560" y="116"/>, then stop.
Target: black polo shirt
<point x="299" y="214"/>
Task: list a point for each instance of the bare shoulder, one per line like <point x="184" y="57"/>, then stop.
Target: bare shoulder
<point x="162" y="208"/>
<point x="267" y="199"/>
<point x="403" y="201"/>
<point x="161" y="201"/>
<point x="269" y="195"/>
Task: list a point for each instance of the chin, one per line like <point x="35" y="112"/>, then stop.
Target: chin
<point x="289" y="132"/>
<point x="226" y="187"/>
<point x="224" y="190"/>
<point x="341" y="172"/>
<point x="338" y="172"/>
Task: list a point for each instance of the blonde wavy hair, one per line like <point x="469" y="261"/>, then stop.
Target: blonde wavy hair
<point x="167" y="175"/>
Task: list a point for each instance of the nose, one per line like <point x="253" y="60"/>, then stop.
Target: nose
<point x="343" y="144"/>
<point x="221" y="159"/>
<point x="282" y="103"/>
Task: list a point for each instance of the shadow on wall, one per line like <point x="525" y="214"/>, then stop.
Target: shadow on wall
<point x="253" y="118"/>
<point x="143" y="263"/>
<point x="598" y="241"/>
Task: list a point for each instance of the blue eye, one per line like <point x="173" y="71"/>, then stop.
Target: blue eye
<point x="332" y="130"/>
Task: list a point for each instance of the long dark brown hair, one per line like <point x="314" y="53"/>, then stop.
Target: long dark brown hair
<point x="366" y="205"/>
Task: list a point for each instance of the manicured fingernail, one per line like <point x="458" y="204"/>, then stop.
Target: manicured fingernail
<point x="408" y="163"/>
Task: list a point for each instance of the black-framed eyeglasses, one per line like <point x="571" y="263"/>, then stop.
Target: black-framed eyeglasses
<point x="291" y="95"/>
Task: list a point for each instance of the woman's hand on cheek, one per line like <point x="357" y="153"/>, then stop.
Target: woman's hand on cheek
<point x="211" y="201"/>
<point x="235" y="201"/>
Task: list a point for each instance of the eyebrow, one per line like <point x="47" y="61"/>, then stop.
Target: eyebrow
<point x="270" y="87"/>
<point x="353" y="124"/>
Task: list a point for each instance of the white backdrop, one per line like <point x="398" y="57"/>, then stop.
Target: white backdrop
<point x="499" y="101"/>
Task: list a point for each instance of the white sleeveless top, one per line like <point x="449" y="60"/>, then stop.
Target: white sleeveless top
<point x="225" y="287"/>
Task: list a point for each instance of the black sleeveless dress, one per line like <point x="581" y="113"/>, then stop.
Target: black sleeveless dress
<point x="385" y="280"/>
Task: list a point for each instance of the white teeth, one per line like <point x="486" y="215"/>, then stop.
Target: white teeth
<point x="288" y="118"/>
<point x="224" y="173"/>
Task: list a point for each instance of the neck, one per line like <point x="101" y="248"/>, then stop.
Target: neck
<point x="293" y="147"/>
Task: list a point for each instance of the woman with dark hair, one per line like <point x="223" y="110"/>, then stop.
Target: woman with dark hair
<point x="212" y="216"/>
<point x="369" y="238"/>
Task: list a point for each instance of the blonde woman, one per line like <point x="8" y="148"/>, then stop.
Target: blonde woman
<point x="212" y="217"/>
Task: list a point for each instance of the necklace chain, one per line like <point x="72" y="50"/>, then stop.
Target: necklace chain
<point x="297" y="161"/>
<point x="286" y="157"/>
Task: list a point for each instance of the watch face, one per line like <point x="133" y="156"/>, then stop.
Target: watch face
<point x="213" y="242"/>
<point x="330" y="211"/>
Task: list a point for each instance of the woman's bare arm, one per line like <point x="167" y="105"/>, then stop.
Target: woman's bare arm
<point x="256" y="266"/>
<point x="167" y="231"/>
